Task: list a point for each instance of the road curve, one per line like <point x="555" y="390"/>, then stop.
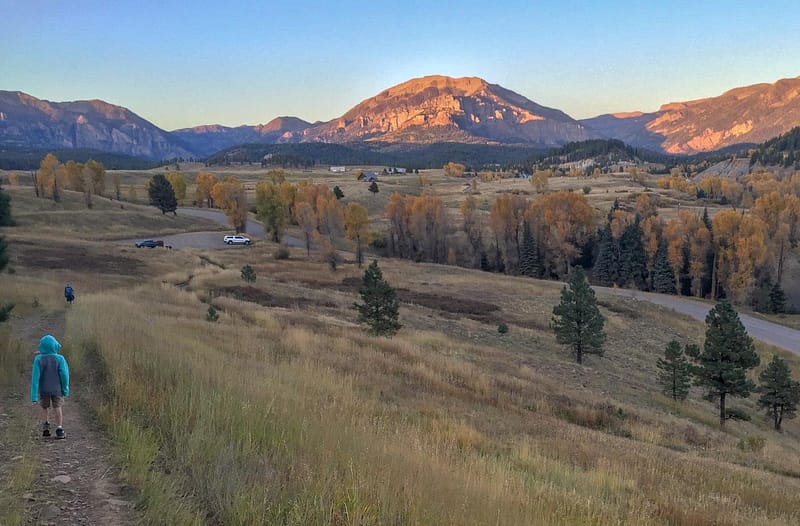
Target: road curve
<point x="768" y="332"/>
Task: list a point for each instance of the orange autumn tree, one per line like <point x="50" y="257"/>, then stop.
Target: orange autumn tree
<point x="506" y="219"/>
<point x="356" y="222"/>
<point x="205" y="182"/>
<point x="399" y="237"/>
<point x="567" y="221"/>
<point x="472" y="227"/>
<point x="229" y="195"/>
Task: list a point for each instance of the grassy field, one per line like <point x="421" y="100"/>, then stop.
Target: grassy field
<point x="285" y="411"/>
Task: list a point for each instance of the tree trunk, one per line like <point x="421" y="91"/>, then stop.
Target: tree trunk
<point x="780" y="264"/>
<point x="722" y="409"/>
<point x="579" y="353"/>
<point x="778" y="417"/>
<point x="714" y="278"/>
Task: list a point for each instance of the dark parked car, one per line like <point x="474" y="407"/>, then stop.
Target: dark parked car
<point x="150" y="243"/>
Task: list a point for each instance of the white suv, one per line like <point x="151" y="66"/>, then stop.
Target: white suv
<point x="236" y="240"/>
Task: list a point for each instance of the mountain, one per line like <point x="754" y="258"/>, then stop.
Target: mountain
<point x="751" y="114"/>
<point x="445" y="109"/>
<point x="28" y="122"/>
<point x="207" y="140"/>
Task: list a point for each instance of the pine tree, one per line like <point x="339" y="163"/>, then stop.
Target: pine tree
<point x="373" y="188"/>
<point x="633" y="261"/>
<point x="604" y="270"/>
<point x="380" y="307"/>
<point x="675" y="374"/>
<point x="779" y="393"/>
<point x="162" y="196"/>
<point x="777" y="299"/>
<point x="248" y="274"/>
<point x="530" y="261"/>
<point x="337" y="192"/>
<point x="707" y="220"/>
<point x="663" y="276"/>
<point x="5" y="309"/>
<point x="728" y="352"/>
<point x="5" y="208"/>
<point x="577" y="321"/>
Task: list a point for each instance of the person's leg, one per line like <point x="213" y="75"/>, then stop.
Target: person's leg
<point x="44" y="404"/>
<point x="44" y="412"/>
<point x="59" y="416"/>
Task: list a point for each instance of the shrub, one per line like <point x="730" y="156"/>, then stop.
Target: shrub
<point x="377" y="240"/>
<point x="752" y="443"/>
<point x="734" y="413"/>
<point x="587" y="189"/>
<point x="248" y="274"/>
<point x="502" y="328"/>
<point x="11" y="270"/>
<point x="281" y="253"/>
<point x="212" y="315"/>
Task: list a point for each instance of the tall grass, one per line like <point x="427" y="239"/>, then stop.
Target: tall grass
<point x="252" y="421"/>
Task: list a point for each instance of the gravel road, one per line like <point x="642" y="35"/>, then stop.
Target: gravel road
<point x="768" y="332"/>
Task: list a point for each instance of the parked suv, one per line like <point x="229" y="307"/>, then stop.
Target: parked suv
<point x="149" y="243"/>
<point x="236" y="240"/>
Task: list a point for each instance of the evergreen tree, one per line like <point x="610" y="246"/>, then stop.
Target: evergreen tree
<point x="577" y="321"/>
<point x="5" y="208"/>
<point x="707" y="220"/>
<point x="663" y="276"/>
<point x="777" y="299"/>
<point x="530" y="260"/>
<point x="380" y="307"/>
<point x="162" y="196"/>
<point x="248" y="274"/>
<point x="675" y="374"/>
<point x="633" y="261"/>
<point x="728" y="352"/>
<point x="604" y="271"/>
<point x="779" y="393"/>
<point x="373" y="188"/>
<point x="338" y="192"/>
<point x="5" y="309"/>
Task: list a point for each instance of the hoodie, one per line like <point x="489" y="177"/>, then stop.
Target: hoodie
<point x="50" y="371"/>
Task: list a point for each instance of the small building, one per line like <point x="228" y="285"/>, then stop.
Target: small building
<point x="338" y="169"/>
<point x="369" y="177"/>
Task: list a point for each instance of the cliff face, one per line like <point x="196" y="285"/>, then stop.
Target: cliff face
<point x="436" y="109"/>
<point x="94" y="124"/>
<point x="751" y="114"/>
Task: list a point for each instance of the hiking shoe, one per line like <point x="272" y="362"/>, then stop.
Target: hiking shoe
<point x="46" y="429"/>
<point x="60" y="433"/>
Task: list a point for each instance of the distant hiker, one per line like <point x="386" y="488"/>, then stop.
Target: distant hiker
<point x="50" y="383"/>
<point x="69" y="294"/>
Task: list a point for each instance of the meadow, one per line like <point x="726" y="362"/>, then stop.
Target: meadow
<point x="285" y="411"/>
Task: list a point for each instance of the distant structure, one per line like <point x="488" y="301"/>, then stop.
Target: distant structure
<point x="338" y="169"/>
<point x="369" y="177"/>
<point x="395" y="170"/>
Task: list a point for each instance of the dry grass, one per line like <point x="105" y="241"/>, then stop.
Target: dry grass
<point x="284" y="411"/>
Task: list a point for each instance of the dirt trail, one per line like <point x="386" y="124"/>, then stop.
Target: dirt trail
<point x="76" y="482"/>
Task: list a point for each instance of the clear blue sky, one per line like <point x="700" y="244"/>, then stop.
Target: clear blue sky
<point x="237" y="62"/>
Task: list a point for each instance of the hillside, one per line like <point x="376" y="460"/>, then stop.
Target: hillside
<point x="781" y="151"/>
<point x="750" y="114"/>
<point x="210" y="139"/>
<point x="445" y="109"/>
<point x="287" y="404"/>
<point x="28" y="122"/>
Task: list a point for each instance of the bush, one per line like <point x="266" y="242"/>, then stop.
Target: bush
<point x="212" y="315"/>
<point x="502" y="328"/>
<point x="377" y="240"/>
<point x="587" y="189"/>
<point x="11" y="270"/>
<point x="281" y="253"/>
<point x="752" y="443"/>
<point x="248" y="274"/>
<point x="734" y="413"/>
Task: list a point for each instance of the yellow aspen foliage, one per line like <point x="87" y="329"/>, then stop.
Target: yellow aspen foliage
<point x="229" y="195"/>
<point x="204" y="183"/>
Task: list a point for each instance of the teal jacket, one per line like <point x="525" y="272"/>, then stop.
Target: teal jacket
<point x="50" y="371"/>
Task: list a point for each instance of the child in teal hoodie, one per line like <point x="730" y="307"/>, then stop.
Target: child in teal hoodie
<point x="50" y="383"/>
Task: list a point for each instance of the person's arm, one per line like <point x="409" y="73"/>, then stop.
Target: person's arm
<point x="63" y="372"/>
<point x="35" y="380"/>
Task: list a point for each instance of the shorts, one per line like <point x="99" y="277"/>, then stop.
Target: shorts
<point x="46" y="400"/>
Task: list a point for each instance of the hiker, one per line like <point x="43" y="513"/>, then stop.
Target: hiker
<point x="69" y="294"/>
<point x="50" y="383"/>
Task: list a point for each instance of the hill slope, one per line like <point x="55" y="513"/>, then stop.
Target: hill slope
<point x="445" y="109"/>
<point x="26" y="121"/>
<point x="751" y="114"/>
<point x="209" y="139"/>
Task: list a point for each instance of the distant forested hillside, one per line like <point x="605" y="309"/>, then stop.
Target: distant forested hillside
<point x="783" y="150"/>
<point x="29" y="158"/>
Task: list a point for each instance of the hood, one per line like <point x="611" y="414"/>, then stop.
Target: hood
<point x="49" y="345"/>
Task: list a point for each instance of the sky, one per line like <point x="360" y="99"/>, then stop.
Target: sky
<point x="182" y="63"/>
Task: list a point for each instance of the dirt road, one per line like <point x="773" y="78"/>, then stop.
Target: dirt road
<point x="768" y="332"/>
